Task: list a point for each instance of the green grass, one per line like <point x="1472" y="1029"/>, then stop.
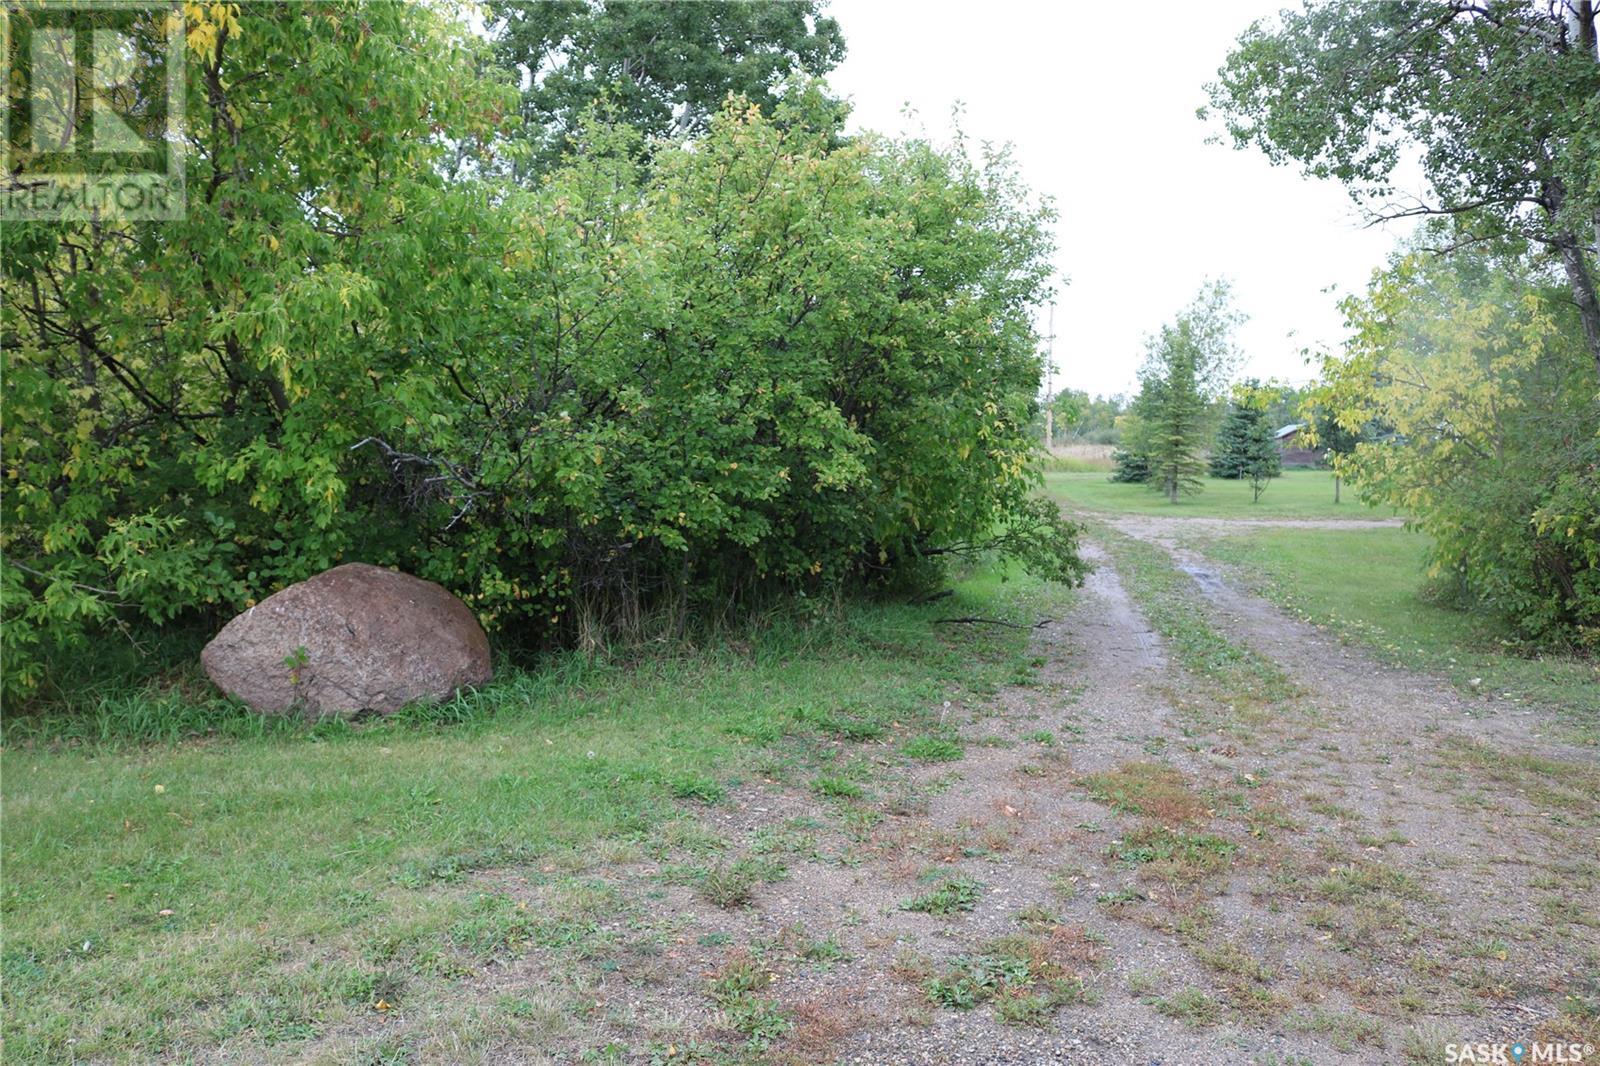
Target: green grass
<point x="256" y="886"/>
<point x="1297" y="494"/>
<point x="955" y="894"/>
<point x="1250" y="684"/>
<point x="1364" y="584"/>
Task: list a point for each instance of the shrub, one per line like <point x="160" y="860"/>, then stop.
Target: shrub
<point x="1477" y="364"/>
<point x="763" y="363"/>
<point x="1132" y="467"/>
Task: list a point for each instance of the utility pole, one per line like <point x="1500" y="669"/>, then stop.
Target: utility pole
<point x="1049" y="382"/>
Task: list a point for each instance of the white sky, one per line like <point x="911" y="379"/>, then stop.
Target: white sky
<point x="1099" y="101"/>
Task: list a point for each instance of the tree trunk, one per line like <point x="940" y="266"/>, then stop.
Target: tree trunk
<point x="1336" y="488"/>
<point x="1583" y="292"/>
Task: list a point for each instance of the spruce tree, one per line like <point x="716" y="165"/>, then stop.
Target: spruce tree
<point x="1184" y="363"/>
<point x="1245" y="448"/>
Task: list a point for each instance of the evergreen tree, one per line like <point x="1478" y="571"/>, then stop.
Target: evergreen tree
<point x="1183" y="365"/>
<point x="1132" y="466"/>
<point x="1245" y="447"/>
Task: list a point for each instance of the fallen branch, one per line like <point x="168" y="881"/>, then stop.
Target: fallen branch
<point x="970" y="621"/>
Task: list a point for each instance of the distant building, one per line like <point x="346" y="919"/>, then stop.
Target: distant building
<point x="1292" y="448"/>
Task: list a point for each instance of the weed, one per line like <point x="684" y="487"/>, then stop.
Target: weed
<point x="955" y="894"/>
<point x="700" y="787"/>
<point x="729" y="885"/>
<point x="834" y="787"/>
<point x="933" y="749"/>
<point x="757" y="1017"/>
<point x="1344" y="1031"/>
<point x="739" y="974"/>
<point x="1153" y="789"/>
<point x="1191" y="1006"/>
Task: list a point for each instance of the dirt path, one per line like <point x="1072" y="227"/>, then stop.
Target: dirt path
<point x="1115" y="869"/>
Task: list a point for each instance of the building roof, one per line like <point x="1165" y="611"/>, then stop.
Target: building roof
<point x="1289" y="430"/>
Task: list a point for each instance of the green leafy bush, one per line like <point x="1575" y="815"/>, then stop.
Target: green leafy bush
<point x="762" y="363"/>
<point x="1478" y="364"/>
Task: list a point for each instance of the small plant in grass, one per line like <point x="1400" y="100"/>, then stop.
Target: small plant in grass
<point x="833" y="787"/>
<point x="844" y="726"/>
<point x="959" y="992"/>
<point x="1235" y="961"/>
<point x="1191" y="1006"/>
<point x="1036" y="917"/>
<point x="734" y="990"/>
<point x="1174" y="854"/>
<point x="728" y="885"/>
<point x="1155" y="790"/>
<point x="1031" y="1008"/>
<point x="824" y="952"/>
<point x="933" y="749"/>
<point x="955" y="894"/>
<point x="975" y="978"/>
<point x="1343" y="1030"/>
<point x="739" y="974"/>
<point x="1119" y="897"/>
<point x="759" y="1018"/>
<point x="1041" y="736"/>
<point x="1018" y="973"/>
<point x="698" y="787"/>
<point x="911" y="966"/>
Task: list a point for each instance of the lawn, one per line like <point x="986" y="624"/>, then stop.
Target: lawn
<point x="162" y="899"/>
<point x="1366" y="584"/>
<point x="1297" y="494"/>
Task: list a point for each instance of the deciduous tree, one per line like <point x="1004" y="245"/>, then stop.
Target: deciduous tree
<point x="663" y="68"/>
<point x="1498" y="100"/>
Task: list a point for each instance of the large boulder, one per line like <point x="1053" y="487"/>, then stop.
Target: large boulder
<point x="354" y="638"/>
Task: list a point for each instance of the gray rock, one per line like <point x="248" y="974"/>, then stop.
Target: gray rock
<point x="354" y="638"/>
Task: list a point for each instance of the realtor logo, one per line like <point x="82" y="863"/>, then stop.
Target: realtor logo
<point x="94" y="103"/>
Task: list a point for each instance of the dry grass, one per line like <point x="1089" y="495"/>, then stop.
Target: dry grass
<point x="821" y="1022"/>
<point x="1155" y="790"/>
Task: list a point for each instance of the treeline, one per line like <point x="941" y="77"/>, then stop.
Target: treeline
<point x="630" y="379"/>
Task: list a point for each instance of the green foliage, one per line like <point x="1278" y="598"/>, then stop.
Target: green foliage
<point x="630" y="393"/>
<point x="933" y="749"/>
<point x="1479" y="366"/>
<point x="1497" y="102"/>
<point x="1245" y="448"/>
<point x="663" y="69"/>
<point x="955" y="894"/>
<point x="1132" y="467"/>
<point x="1085" y="419"/>
<point x="1185" y="364"/>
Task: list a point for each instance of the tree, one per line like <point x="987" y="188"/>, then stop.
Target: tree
<point x="1499" y="101"/>
<point x="1479" y="365"/>
<point x="1131" y="466"/>
<point x="181" y="396"/>
<point x="1185" y="365"/>
<point x="663" y="68"/>
<point x="1245" y="448"/>
<point x="1338" y="443"/>
<point x="628" y="393"/>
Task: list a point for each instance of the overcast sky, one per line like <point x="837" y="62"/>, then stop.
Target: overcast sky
<point x="1099" y="101"/>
